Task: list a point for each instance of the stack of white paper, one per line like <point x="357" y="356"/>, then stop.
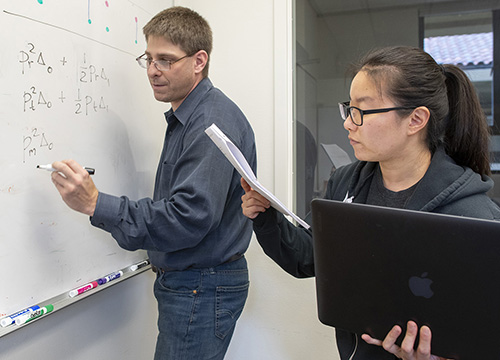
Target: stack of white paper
<point x="234" y="155"/>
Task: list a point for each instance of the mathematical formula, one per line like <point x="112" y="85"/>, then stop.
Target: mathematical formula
<point x="86" y="99"/>
<point x="35" y="142"/>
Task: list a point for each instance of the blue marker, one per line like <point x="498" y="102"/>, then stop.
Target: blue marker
<point x="9" y="320"/>
<point x="110" y="277"/>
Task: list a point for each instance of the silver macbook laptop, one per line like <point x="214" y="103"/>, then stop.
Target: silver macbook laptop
<point x="377" y="267"/>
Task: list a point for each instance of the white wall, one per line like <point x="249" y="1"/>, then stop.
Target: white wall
<point x="252" y="63"/>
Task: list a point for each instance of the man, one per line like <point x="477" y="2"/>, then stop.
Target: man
<point x="193" y="229"/>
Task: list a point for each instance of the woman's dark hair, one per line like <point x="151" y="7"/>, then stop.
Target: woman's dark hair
<point x="412" y="78"/>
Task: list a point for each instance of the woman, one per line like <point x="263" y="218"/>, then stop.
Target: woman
<point x="421" y="140"/>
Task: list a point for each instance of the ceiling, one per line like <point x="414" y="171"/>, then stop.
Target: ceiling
<point x="330" y="7"/>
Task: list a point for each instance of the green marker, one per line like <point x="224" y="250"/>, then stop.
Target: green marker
<point x="23" y="319"/>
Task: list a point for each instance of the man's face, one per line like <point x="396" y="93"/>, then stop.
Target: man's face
<point x="172" y="85"/>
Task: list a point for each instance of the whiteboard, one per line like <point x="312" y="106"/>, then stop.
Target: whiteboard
<point x="70" y="88"/>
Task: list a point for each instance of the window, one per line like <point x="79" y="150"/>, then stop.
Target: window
<point x="330" y="35"/>
<point x="466" y="40"/>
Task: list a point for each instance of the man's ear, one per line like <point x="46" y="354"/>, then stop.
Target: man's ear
<point x="201" y="58"/>
<point x="418" y="119"/>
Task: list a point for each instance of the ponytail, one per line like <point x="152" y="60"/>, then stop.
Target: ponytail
<point x="467" y="134"/>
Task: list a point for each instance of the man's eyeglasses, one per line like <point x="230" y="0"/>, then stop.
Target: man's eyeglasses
<point x="356" y="114"/>
<point x="163" y="65"/>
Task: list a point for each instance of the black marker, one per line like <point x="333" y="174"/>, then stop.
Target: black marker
<point x="49" y="167"/>
<point x="139" y="265"/>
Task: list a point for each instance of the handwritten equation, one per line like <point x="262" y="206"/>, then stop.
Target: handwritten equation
<point x="86" y="99"/>
<point x="34" y="142"/>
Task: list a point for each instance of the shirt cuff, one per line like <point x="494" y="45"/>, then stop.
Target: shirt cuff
<point x="107" y="211"/>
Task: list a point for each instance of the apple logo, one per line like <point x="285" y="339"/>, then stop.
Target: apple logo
<point x="421" y="286"/>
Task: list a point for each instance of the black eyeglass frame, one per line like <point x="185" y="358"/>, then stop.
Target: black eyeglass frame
<point x="145" y="63"/>
<point x="345" y="111"/>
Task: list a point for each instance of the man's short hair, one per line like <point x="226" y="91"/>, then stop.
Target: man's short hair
<point x="184" y="28"/>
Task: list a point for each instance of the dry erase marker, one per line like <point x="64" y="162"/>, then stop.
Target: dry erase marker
<point x="49" y="167"/>
<point x="139" y="265"/>
<point x="84" y="288"/>
<point x="110" y="277"/>
<point x="9" y="320"/>
<point x="23" y="319"/>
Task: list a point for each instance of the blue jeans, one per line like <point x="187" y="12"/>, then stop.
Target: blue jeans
<point x="198" y="309"/>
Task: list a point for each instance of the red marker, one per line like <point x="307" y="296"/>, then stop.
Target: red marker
<point x="83" y="289"/>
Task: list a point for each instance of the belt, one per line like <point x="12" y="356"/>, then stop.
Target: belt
<point x="158" y="270"/>
<point x="161" y="270"/>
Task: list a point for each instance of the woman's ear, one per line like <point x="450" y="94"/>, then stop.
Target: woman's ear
<point x="418" y="119"/>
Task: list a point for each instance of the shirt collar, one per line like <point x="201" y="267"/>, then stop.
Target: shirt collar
<point x="187" y="107"/>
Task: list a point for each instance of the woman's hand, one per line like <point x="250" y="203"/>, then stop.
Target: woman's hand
<point x="407" y="350"/>
<point x="253" y="203"/>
